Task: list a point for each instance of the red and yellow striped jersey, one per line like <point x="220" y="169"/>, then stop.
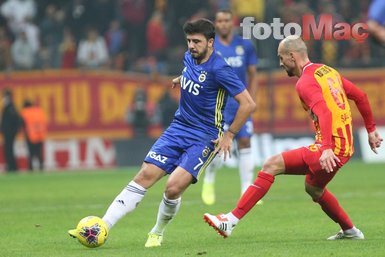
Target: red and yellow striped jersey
<point x="320" y="84"/>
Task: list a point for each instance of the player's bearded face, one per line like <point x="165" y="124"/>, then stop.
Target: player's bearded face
<point x="199" y="54"/>
<point x="286" y="63"/>
<point x="198" y="46"/>
<point x="289" y="71"/>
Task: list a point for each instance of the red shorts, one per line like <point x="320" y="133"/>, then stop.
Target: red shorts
<point x="305" y="161"/>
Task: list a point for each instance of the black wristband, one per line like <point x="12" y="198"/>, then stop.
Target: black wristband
<point x="232" y="132"/>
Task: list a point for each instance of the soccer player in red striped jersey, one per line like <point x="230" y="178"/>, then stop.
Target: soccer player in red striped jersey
<point x="324" y="94"/>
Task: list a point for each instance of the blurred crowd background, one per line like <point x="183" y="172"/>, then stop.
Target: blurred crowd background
<point x="101" y="71"/>
<point x="146" y="35"/>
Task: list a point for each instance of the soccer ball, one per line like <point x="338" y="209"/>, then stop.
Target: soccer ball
<point x="92" y="231"/>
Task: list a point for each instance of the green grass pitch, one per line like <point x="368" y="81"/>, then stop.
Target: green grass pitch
<point x="37" y="209"/>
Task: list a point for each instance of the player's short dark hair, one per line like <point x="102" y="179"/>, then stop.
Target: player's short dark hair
<point x="200" y="26"/>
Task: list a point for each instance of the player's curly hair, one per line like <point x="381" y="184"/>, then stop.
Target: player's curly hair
<point x="200" y="26"/>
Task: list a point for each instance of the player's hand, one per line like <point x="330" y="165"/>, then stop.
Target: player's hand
<point x="224" y="145"/>
<point x="328" y="160"/>
<point x="175" y="82"/>
<point x="374" y="140"/>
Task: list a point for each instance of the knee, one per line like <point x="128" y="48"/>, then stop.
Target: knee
<point x="273" y="165"/>
<point x="314" y="192"/>
<point x="143" y="175"/>
<point x="147" y="176"/>
<point x="173" y="192"/>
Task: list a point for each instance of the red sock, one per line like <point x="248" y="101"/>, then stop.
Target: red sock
<point x="253" y="194"/>
<point x="331" y="207"/>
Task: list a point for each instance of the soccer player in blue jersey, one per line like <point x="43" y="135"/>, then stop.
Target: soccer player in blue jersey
<point x="376" y="20"/>
<point x="194" y="137"/>
<point x="239" y="53"/>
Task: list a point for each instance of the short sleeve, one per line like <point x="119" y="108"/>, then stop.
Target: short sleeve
<point x="226" y="78"/>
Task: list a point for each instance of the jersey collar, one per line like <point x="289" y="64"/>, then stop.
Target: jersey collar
<point x="306" y="65"/>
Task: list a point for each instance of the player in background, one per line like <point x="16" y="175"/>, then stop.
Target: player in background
<point x="10" y="124"/>
<point x="240" y="55"/>
<point x="376" y="20"/>
<point x="35" y="130"/>
<point x="194" y="137"/>
<point x="324" y="94"/>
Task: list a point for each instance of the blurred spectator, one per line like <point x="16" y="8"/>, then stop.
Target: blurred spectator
<point x="181" y="11"/>
<point x="137" y="115"/>
<point x="17" y="12"/>
<point x="376" y="20"/>
<point x="10" y="125"/>
<point x="67" y="50"/>
<point x="356" y="54"/>
<point x="177" y="53"/>
<point x="346" y="10"/>
<point x="329" y="49"/>
<point x="32" y="32"/>
<point x="102" y="13"/>
<point x="92" y="52"/>
<point x="23" y="55"/>
<point x="134" y="14"/>
<point x="201" y="14"/>
<point x="5" y="50"/>
<point x="156" y="35"/>
<point x="52" y="26"/>
<point x="116" y="43"/>
<point x="176" y="14"/>
<point x="166" y="108"/>
<point x="146" y="35"/>
<point x="115" y="38"/>
<point x="150" y="65"/>
<point x="3" y="20"/>
<point x="77" y="13"/>
<point x="35" y="129"/>
<point x="44" y="57"/>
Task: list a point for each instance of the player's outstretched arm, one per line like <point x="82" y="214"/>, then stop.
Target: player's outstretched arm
<point x="361" y="100"/>
<point x="246" y="108"/>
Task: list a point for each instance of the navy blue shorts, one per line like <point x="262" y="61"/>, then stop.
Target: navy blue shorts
<point x="178" y="146"/>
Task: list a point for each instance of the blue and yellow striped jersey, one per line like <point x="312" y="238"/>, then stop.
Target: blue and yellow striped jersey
<point x="204" y="91"/>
